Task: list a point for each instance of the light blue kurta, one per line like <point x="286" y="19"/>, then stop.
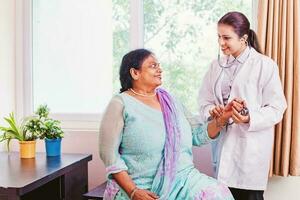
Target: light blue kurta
<point x="138" y="148"/>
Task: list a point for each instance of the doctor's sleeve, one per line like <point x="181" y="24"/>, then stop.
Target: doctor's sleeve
<point x="206" y="96"/>
<point x="111" y="130"/>
<point x="273" y="104"/>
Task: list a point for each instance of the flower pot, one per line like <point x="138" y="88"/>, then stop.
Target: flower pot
<point x="53" y="146"/>
<point x="27" y="149"/>
<point x="28" y="164"/>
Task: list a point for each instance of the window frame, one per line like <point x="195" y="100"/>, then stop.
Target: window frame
<point x="24" y="76"/>
<point x="24" y="72"/>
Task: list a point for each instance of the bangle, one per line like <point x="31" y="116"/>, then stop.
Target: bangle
<point x="133" y="192"/>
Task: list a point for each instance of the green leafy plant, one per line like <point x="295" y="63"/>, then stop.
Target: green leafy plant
<point x="44" y="126"/>
<point x="16" y="131"/>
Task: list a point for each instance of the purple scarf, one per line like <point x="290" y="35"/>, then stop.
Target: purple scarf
<point x="166" y="172"/>
<point x="165" y="175"/>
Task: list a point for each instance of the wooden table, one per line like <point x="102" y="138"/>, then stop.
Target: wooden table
<point x="42" y="177"/>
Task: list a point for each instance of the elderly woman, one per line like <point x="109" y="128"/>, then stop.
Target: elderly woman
<point x="146" y="139"/>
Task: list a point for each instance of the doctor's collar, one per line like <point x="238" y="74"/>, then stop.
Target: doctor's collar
<point x="241" y="58"/>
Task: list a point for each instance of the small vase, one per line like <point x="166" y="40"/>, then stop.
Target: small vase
<point x="27" y="149"/>
<point x="53" y="146"/>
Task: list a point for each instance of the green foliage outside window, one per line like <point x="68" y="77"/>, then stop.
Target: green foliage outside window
<point x="183" y="36"/>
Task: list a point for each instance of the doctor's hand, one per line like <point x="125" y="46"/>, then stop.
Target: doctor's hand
<point x="238" y="118"/>
<point x="238" y="104"/>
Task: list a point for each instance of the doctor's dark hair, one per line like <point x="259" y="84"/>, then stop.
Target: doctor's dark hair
<point x="241" y="26"/>
<point x="133" y="59"/>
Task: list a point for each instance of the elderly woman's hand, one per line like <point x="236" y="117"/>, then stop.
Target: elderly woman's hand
<point x="141" y="194"/>
<point x="221" y="115"/>
<point x="221" y="112"/>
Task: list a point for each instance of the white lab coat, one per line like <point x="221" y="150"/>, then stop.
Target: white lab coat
<point x="242" y="154"/>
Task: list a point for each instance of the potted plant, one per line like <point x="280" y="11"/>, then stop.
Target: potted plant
<point x="19" y="132"/>
<point x="48" y="129"/>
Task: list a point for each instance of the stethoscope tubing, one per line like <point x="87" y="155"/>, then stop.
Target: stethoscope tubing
<point x="245" y="110"/>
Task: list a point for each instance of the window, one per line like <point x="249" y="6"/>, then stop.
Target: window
<point x="183" y="36"/>
<point x="185" y="39"/>
<point x="72" y="55"/>
<point x="77" y="47"/>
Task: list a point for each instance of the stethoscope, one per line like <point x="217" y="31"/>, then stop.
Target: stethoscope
<point x="245" y="110"/>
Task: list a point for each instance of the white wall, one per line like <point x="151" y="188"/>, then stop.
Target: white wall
<point x="7" y="58"/>
<point x="283" y="188"/>
<point x="87" y="142"/>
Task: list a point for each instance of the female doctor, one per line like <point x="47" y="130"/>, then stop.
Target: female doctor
<point x="250" y="80"/>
